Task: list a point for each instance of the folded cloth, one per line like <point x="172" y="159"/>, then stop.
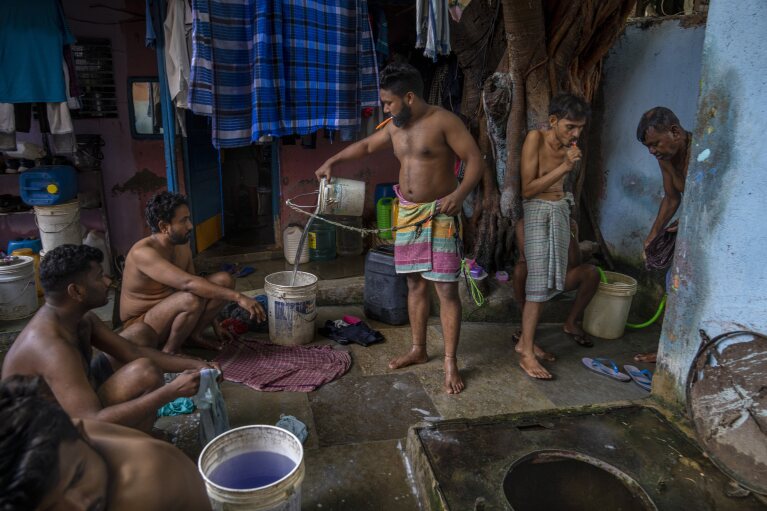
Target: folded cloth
<point x="660" y="252"/>
<point x="547" y="238"/>
<point x="344" y="333"/>
<point x="295" y="426"/>
<point x="426" y="242"/>
<point x="272" y="368"/>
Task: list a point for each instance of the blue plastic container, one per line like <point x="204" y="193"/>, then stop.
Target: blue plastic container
<point x="48" y="185"/>
<point x="33" y="243"/>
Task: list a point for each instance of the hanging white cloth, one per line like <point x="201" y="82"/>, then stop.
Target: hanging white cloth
<point x="178" y="25"/>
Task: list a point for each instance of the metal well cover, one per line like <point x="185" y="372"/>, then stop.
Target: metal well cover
<point x="727" y="401"/>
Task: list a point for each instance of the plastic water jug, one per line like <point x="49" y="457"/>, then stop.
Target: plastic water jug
<point x="48" y="185"/>
<point x="32" y="243"/>
<point x="322" y="241"/>
<point x="348" y="242"/>
<point x="291" y="236"/>
<point x="96" y="240"/>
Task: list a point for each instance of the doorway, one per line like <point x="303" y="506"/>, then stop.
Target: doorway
<point x="247" y="193"/>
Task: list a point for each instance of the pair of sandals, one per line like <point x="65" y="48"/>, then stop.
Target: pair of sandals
<point x="607" y="367"/>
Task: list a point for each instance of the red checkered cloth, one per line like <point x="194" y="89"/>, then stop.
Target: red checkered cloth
<point x="272" y="368"/>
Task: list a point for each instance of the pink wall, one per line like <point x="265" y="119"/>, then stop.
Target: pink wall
<point x="124" y="157"/>
<point x="297" y="166"/>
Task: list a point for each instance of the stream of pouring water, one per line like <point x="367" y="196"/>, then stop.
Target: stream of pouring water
<point x="301" y="242"/>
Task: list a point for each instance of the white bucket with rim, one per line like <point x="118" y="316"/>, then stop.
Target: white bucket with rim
<point x="59" y="224"/>
<point x="292" y="309"/>
<point x="281" y="495"/>
<point x="345" y="197"/>
<point x="18" y="293"/>
<point x="606" y="314"/>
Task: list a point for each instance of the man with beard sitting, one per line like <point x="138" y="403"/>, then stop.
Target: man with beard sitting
<point x="160" y="287"/>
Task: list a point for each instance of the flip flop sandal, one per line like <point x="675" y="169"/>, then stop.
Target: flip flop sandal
<point x="598" y="366"/>
<point x="244" y="272"/>
<point x="642" y="378"/>
<point x="581" y="340"/>
<point x="229" y="268"/>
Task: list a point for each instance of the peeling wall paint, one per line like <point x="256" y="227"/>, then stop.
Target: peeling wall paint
<point x="719" y="270"/>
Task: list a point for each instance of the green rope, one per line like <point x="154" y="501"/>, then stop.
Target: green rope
<point x="653" y="319"/>
<point x="476" y="294"/>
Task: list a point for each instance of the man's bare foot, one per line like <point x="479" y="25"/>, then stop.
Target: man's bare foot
<point x="533" y="368"/>
<point x="649" y="358"/>
<point x="416" y="355"/>
<point x="543" y="355"/>
<point x="577" y="334"/>
<point x="453" y="382"/>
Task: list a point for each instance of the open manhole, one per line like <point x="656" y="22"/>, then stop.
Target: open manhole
<point x="571" y="481"/>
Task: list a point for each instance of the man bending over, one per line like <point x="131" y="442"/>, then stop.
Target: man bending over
<point x="124" y="383"/>
<point x="661" y="132"/>
<point x="160" y="287"/>
<point x="547" y="158"/>
<point x="49" y="462"/>
<point x="426" y="139"/>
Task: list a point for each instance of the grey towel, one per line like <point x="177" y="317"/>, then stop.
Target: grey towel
<point x="547" y="238"/>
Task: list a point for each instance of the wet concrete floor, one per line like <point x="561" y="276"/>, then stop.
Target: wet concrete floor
<point x="358" y="424"/>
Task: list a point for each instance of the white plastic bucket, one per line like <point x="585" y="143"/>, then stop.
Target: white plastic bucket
<point x="292" y="309"/>
<point x="606" y="314"/>
<point x="345" y="197"/>
<point x="59" y="225"/>
<point x="18" y="294"/>
<point x="282" y="495"/>
<point x="291" y="236"/>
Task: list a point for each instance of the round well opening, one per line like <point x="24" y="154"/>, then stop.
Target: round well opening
<point x="570" y="481"/>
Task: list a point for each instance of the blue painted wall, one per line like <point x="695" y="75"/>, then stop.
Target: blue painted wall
<point x="720" y="266"/>
<point x="653" y="63"/>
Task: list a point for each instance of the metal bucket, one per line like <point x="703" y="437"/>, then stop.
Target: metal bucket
<point x="292" y="309"/>
<point x="281" y="495"/>
<point x="344" y="197"/>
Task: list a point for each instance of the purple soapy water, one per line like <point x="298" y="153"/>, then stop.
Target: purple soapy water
<point x="252" y="470"/>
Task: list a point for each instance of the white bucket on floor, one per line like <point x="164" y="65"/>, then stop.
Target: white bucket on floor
<point x="606" y="314"/>
<point x="18" y="294"/>
<point x="59" y="224"/>
<point x="345" y="197"/>
<point x="292" y="309"/>
<point x="282" y="495"/>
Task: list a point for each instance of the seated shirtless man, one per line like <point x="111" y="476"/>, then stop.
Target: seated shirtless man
<point x="547" y="157"/>
<point x="49" y="462"/>
<point x="160" y="287"/>
<point x="426" y="139"/>
<point x="124" y="383"/>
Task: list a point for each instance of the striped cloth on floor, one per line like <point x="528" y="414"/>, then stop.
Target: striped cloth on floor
<point x="273" y="368"/>
<point x="281" y="67"/>
<point x="547" y="238"/>
<point x="429" y="247"/>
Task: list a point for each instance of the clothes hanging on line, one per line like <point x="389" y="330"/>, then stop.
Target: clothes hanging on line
<point x="325" y="74"/>
<point x="432" y="28"/>
<point x="54" y="118"/>
<point x="32" y="40"/>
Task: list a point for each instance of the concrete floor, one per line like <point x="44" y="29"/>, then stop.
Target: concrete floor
<point x="358" y="424"/>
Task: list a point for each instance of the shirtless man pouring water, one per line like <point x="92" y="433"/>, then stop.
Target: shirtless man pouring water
<point x="426" y="140"/>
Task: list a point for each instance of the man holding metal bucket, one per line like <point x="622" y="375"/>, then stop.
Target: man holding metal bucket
<point x="427" y="140"/>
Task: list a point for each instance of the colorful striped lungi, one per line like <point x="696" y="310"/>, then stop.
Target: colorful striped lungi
<point x="547" y="238"/>
<point x="431" y="246"/>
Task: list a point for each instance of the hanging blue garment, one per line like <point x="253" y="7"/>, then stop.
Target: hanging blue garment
<point x="32" y="38"/>
<point x="280" y="67"/>
<point x="209" y="401"/>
